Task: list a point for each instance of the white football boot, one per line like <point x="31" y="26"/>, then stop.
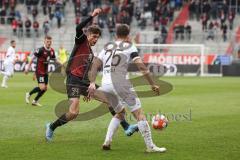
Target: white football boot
<point x="27" y="98"/>
<point x="154" y="148"/>
<point x="35" y="103"/>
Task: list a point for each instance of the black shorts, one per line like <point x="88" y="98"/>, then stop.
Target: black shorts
<point x="77" y="86"/>
<point x="42" y="78"/>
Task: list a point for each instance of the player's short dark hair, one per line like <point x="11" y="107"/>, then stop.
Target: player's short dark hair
<point x="48" y="37"/>
<point x="12" y="41"/>
<point x="123" y="30"/>
<point x="94" y="30"/>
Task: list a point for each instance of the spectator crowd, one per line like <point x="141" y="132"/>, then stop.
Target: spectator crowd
<point x="214" y="15"/>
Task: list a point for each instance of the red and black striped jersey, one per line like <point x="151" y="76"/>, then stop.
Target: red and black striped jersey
<point x="43" y="57"/>
<point x="81" y="57"/>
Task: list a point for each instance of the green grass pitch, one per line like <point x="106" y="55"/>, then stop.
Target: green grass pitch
<point x="204" y="124"/>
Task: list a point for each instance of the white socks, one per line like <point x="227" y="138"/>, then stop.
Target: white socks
<point x="112" y="128"/>
<point x="142" y="126"/>
<point x="146" y="133"/>
<point x="4" y="80"/>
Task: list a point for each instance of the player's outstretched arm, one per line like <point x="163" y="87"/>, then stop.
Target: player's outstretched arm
<point x="146" y="73"/>
<point x="80" y="26"/>
<point x="96" y="12"/>
<point x="29" y="65"/>
<point x="92" y="74"/>
<point x="58" y="62"/>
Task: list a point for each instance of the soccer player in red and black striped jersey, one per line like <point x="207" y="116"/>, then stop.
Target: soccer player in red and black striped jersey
<point x="43" y="55"/>
<point x="77" y="74"/>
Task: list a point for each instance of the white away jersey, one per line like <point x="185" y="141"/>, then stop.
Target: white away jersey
<point x="10" y="55"/>
<point x="115" y="58"/>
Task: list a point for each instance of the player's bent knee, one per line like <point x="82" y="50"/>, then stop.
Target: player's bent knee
<point x="120" y="115"/>
<point x="42" y="87"/>
<point x="74" y="102"/>
<point x="8" y="74"/>
<point x="138" y="114"/>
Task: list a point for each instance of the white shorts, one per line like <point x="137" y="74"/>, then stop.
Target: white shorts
<point x="125" y="96"/>
<point x="9" y="68"/>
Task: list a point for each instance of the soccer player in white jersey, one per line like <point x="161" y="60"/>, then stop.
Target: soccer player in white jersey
<point x="115" y="59"/>
<point x="9" y="64"/>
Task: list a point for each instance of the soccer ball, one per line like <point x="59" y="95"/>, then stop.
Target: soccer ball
<point x="159" y="122"/>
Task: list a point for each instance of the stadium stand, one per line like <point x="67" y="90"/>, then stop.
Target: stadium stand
<point x="152" y="21"/>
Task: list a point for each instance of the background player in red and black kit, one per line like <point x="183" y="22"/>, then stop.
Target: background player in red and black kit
<point x="43" y="55"/>
<point x="77" y="75"/>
